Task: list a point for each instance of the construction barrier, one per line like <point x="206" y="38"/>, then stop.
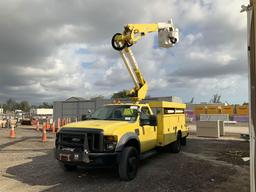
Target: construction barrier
<point x="209" y="129"/>
<point x="241" y="118"/>
<point x="213" y="110"/>
<point x="242" y="110"/>
<point x="229" y="109"/>
<point x="190" y="116"/>
<point x="200" y="110"/>
<point x="214" y="117"/>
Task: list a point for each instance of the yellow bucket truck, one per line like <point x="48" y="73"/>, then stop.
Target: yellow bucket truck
<point x="121" y="134"/>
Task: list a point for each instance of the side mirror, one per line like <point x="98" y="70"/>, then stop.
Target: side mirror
<point x="153" y="120"/>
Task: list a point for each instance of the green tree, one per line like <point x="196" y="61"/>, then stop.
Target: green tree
<point x="120" y="94"/>
<point x="97" y="97"/>
<point x="45" y="105"/>
<point x="24" y="106"/>
<point x="11" y="105"/>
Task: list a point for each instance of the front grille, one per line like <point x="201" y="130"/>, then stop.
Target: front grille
<point x="80" y="139"/>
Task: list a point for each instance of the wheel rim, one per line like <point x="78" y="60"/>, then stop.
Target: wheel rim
<point x="132" y="166"/>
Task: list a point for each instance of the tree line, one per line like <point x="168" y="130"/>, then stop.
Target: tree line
<point x="11" y="105"/>
<point x="123" y="94"/>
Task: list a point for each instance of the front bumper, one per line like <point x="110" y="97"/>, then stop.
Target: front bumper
<point x="82" y="146"/>
<point x="87" y="159"/>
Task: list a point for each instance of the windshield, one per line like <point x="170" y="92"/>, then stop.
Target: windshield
<point x="116" y="112"/>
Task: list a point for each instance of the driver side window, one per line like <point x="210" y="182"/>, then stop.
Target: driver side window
<point x="145" y="115"/>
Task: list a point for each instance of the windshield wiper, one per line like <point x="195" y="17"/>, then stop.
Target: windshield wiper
<point x="94" y="118"/>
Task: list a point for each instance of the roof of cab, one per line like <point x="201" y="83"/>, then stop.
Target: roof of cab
<point x="138" y="104"/>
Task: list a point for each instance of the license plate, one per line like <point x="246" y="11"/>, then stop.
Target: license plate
<point x="76" y="157"/>
<point x="65" y="157"/>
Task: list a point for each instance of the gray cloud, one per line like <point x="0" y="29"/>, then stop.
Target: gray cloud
<point x="211" y="69"/>
<point x="39" y="42"/>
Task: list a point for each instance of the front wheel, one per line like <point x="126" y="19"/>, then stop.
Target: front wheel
<point x="128" y="165"/>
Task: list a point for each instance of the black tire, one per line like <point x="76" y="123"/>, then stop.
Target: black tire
<point x="183" y="141"/>
<point x="175" y="146"/>
<point x="115" y="45"/>
<point x="128" y="164"/>
<point x="68" y="167"/>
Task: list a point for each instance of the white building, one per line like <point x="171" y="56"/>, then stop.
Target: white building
<point x="1" y="110"/>
<point x="42" y="112"/>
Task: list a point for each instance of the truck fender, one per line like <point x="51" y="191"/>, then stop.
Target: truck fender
<point x="124" y="139"/>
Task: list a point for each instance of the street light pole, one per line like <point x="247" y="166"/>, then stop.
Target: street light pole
<point x="252" y="87"/>
<point x="251" y="38"/>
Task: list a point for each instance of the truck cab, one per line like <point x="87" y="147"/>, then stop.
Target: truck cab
<point x="120" y="135"/>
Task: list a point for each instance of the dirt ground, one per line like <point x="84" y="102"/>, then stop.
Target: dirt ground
<point x="27" y="164"/>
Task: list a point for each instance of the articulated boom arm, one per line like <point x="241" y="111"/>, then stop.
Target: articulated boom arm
<point x="168" y="36"/>
<point x="132" y="33"/>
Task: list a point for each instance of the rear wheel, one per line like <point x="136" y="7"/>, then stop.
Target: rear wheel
<point x="128" y="165"/>
<point x="176" y="145"/>
<point x="183" y="141"/>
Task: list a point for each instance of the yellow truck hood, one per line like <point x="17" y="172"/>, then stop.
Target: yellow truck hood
<point x="107" y="126"/>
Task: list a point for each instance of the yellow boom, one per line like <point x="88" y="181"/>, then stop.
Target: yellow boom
<point x="168" y="35"/>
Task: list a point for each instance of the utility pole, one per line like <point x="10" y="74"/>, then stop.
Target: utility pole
<point x="252" y="91"/>
<point x="251" y="38"/>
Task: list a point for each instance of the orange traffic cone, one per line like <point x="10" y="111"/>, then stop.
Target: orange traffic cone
<point x="37" y="125"/>
<point x="53" y="127"/>
<point x="44" y="126"/>
<point x="12" y="133"/>
<point x="44" y="137"/>
<point x="47" y="125"/>
<point x="58" y="124"/>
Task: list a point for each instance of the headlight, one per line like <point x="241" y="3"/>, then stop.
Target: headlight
<point x="110" y="143"/>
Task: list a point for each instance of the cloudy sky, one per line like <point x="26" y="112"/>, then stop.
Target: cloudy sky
<point x="51" y="50"/>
